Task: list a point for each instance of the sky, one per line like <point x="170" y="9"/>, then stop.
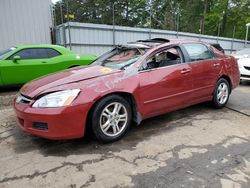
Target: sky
<point x="54" y="1"/>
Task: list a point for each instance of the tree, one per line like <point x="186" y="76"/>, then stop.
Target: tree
<point x="205" y="16"/>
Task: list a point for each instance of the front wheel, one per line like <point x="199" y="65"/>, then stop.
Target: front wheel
<point x="221" y="93"/>
<point x="111" y="118"/>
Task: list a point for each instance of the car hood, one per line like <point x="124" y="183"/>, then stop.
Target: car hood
<point x="47" y="83"/>
<point x="240" y="56"/>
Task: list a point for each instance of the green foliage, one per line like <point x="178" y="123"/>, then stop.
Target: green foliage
<point x="211" y="17"/>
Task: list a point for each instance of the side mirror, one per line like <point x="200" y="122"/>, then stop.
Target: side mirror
<point x="16" y="58"/>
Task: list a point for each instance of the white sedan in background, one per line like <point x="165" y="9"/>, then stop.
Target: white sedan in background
<point x="243" y="58"/>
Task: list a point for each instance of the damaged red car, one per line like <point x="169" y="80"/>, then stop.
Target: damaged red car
<point x="129" y="83"/>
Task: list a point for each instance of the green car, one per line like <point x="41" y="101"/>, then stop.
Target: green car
<point x="23" y="63"/>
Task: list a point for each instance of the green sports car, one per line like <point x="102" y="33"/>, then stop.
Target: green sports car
<point x="23" y="63"/>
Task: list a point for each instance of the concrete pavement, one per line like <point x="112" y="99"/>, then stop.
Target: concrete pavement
<point x="195" y="147"/>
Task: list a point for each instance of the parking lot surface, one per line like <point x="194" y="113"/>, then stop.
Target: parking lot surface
<point x="194" y="147"/>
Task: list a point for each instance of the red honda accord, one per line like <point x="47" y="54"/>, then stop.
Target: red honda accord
<point x="129" y="83"/>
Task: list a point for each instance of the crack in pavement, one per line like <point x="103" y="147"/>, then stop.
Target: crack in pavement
<point x="175" y="151"/>
<point x="91" y="180"/>
<point x="6" y="137"/>
<point x="178" y="171"/>
<point x="36" y="173"/>
<point x="7" y="130"/>
<point x="243" y="113"/>
<point x="77" y="165"/>
<point x="173" y="122"/>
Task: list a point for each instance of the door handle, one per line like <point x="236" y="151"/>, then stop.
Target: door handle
<point x="44" y="61"/>
<point x="184" y="71"/>
<point x="216" y="64"/>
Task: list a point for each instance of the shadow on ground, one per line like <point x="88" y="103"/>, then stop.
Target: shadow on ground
<point x="6" y="90"/>
<point x="88" y="145"/>
<point x="245" y="83"/>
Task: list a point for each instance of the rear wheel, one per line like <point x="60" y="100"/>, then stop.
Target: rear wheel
<point x="221" y="93"/>
<point x="111" y="118"/>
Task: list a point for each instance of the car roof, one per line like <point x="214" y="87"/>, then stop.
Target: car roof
<point x="160" y="42"/>
<point x="36" y="45"/>
<point x="57" y="47"/>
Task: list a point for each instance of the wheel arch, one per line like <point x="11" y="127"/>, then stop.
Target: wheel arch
<point x="129" y="97"/>
<point x="73" y="66"/>
<point x="1" y="81"/>
<point x="228" y="79"/>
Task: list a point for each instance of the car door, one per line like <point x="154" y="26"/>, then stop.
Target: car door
<point x="33" y="63"/>
<point x="164" y="84"/>
<point x="205" y="69"/>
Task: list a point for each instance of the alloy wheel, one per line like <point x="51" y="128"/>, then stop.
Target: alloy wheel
<point x="222" y="93"/>
<point x="113" y="119"/>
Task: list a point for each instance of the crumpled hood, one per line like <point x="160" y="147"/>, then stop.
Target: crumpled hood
<point x="41" y="85"/>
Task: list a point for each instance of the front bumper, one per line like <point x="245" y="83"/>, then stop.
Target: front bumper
<point x="62" y="123"/>
<point x="244" y="67"/>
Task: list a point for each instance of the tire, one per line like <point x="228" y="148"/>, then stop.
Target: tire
<point x="111" y="118"/>
<point x="241" y="82"/>
<point x="221" y="93"/>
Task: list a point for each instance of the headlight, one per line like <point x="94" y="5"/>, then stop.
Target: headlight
<point x="57" y="99"/>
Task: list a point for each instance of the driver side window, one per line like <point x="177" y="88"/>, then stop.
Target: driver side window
<point x="163" y="58"/>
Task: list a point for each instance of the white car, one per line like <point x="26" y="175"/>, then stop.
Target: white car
<point x="243" y="58"/>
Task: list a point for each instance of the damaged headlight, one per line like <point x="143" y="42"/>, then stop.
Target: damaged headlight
<point x="57" y="99"/>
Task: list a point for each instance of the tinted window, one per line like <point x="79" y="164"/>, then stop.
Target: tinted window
<point x="36" y="53"/>
<point x="171" y="56"/>
<point x="198" y="52"/>
<point x="52" y="53"/>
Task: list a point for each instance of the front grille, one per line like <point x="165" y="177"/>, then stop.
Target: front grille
<point x="21" y="99"/>
<point x="245" y="76"/>
<point x="248" y="68"/>
<point x="40" y="126"/>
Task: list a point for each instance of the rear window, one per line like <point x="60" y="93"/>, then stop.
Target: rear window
<point x="198" y="52"/>
<point x="51" y="52"/>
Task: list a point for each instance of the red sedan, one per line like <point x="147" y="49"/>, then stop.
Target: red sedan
<point x="129" y="83"/>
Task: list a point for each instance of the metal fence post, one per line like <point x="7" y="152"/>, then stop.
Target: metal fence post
<point x="64" y="36"/>
<point x="150" y="17"/>
<point x="232" y="42"/>
<point x="113" y="32"/>
<point x="70" y="45"/>
<point x="177" y="25"/>
<point x="218" y="35"/>
<point x="247" y="25"/>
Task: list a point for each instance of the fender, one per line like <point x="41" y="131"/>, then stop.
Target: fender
<point x="1" y="80"/>
<point x="231" y="70"/>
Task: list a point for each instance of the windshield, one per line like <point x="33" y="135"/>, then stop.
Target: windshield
<point x="120" y="57"/>
<point x="5" y="52"/>
<point x="245" y="51"/>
